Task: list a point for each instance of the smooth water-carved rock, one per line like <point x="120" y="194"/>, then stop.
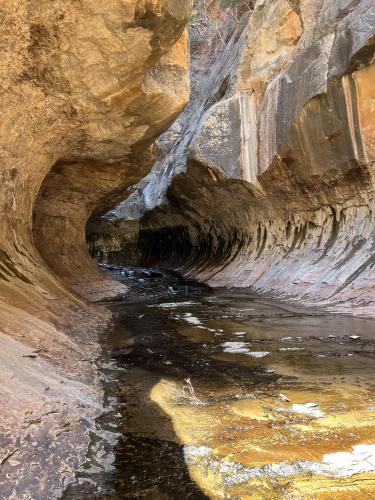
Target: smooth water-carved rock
<point x="86" y="87"/>
<point x="85" y="94"/>
<point x="271" y="181"/>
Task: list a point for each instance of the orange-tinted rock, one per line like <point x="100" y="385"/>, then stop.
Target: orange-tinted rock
<point x="271" y="184"/>
<point x="86" y="87"/>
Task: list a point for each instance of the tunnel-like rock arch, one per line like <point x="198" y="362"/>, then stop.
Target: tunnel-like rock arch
<point x="268" y="176"/>
<point x="86" y="87"/>
<point x="266" y="180"/>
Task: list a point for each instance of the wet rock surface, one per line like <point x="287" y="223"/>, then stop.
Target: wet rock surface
<point x="196" y="415"/>
<point x="46" y="422"/>
<point x="85" y="89"/>
<point x="267" y="179"/>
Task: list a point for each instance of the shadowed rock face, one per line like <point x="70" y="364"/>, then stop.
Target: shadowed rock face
<point x="86" y="87"/>
<point x="267" y="179"/>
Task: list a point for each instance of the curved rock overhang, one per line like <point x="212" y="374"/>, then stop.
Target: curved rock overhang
<point x="86" y="88"/>
<point x="274" y="188"/>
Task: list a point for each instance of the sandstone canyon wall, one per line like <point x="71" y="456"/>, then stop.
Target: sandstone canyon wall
<point x="267" y="179"/>
<point x="86" y="87"/>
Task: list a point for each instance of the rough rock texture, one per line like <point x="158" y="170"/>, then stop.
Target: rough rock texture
<point x="45" y="422"/>
<point x="86" y="87"/>
<point x="267" y="179"/>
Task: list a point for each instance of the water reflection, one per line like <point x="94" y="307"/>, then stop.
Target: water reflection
<point x="227" y="395"/>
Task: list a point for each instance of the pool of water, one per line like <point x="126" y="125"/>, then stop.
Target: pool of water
<point x="224" y="394"/>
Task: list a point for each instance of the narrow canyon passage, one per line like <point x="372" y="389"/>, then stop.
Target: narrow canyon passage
<point x="225" y="394"/>
<point x="187" y="249"/>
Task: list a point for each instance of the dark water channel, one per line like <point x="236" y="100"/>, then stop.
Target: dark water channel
<point x="223" y="394"/>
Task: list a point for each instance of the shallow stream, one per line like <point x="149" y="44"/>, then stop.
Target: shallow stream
<point x="223" y="394"/>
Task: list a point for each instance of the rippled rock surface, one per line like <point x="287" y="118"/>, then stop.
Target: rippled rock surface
<point x="86" y="87"/>
<point x="267" y="179"/>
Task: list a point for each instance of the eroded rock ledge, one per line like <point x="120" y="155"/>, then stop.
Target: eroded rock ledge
<point x="86" y="87"/>
<point x="267" y="179"/>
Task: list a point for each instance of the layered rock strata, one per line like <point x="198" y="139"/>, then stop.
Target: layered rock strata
<point x="267" y="179"/>
<point x="86" y="87"/>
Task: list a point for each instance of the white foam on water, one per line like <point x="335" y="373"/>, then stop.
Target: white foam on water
<point x="173" y="305"/>
<point x="258" y="354"/>
<point x="336" y="465"/>
<point x="189" y="318"/>
<point x="196" y="451"/>
<point x="236" y="347"/>
<point x="208" y="329"/>
<point x="310" y="409"/>
<point x="291" y="349"/>
<point x="344" y="464"/>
